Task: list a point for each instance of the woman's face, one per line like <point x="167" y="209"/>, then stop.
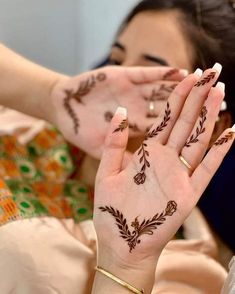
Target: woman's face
<point x="152" y="39"/>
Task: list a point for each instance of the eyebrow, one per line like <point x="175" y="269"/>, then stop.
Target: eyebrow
<point x="156" y="59"/>
<point x="120" y="46"/>
<point x="152" y="58"/>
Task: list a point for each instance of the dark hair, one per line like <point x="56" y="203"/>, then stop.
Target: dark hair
<point x="210" y="26"/>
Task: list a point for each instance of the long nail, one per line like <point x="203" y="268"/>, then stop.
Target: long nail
<point x="218" y="67"/>
<point x="184" y="72"/>
<point x="122" y="111"/>
<point x="198" y="72"/>
<point x="233" y="128"/>
<point x="221" y="86"/>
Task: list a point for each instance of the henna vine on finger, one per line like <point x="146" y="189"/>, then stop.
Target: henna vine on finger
<point x="170" y="73"/>
<point x="206" y="79"/>
<point x="200" y="129"/>
<point x="224" y="139"/>
<point x="109" y="115"/>
<point x="140" y="177"/>
<point x="83" y="89"/>
<point x="146" y="227"/>
<point x="122" y="126"/>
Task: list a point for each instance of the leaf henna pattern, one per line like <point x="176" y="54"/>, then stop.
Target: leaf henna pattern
<point x="225" y="139"/>
<point x="140" y="177"/>
<point x="122" y="126"/>
<point x="161" y="94"/>
<point x="109" y="115"/>
<point x="146" y="227"/>
<point x="170" y="73"/>
<point x="162" y="125"/>
<point x="83" y="89"/>
<point x="200" y="129"/>
<point x="205" y="80"/>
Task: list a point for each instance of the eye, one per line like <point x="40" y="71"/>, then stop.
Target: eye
<point x="113" y="61"/>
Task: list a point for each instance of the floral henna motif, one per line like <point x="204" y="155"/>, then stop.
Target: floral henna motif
<point x="122" y="126"/>
<point x="205" y="80"/>
<point x="225" y="139"/>
<point x="84" y="88"/>
<point x="140" y="177"/>
<point x="170" y="73"/>
<point x="145" y="228"/>
<point x="200" y="130"/>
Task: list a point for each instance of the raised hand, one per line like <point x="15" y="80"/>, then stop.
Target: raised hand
<point x="85" y="105"/>
<point x="139" y="208"/>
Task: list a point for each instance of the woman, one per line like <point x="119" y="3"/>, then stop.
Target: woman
<point x="198" y="33"/>
<point x="68" y="123"/>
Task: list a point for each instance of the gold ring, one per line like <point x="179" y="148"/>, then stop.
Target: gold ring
<point x="151" y="109"/>
<point x="184" y="161"/>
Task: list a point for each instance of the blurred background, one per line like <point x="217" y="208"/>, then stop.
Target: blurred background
<point x="68" y="36"/>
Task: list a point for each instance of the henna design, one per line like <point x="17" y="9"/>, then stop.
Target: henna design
<point x="162" y="125"/>
<point x="122" y="126"/>
<point x="145" y="228"/>
<point x="170" y="73"/>
<point x="200" y="130"/>
<point x="70" y="110"/>
<point x="225" y="139"/>
<point x="161" y="95"/>
<point x="140" y="177"/>
<point x="134" y="127"/>
<point x="205" y="80"/>
<point x="109" y="115"/>
<point x="84" y="88"/>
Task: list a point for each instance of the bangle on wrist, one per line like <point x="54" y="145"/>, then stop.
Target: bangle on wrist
<point x="119" y="281"/>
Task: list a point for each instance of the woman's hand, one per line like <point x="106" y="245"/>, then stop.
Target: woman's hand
<point x="85" y="105"/>
<point x="139" y="208"/>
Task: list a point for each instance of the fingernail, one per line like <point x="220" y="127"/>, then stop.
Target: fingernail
<point x="184" y="72"/>
<point x="122" y="111"/>
<point x="223" y="106"/>
<point x="221" y="86"/>
<point x="233" y="128"/>
<point x="198" y="72"/>
<point x="218" y="67"/>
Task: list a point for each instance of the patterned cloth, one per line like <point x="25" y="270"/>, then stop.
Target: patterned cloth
<point x="36" y="179"/>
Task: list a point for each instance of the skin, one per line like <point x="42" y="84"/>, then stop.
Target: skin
<point x="130" y="50"/>
<point x="150" y="39"/>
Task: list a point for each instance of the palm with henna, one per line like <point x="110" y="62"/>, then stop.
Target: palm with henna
<point x="140" y="207"/>
<point x="84" y="105"/>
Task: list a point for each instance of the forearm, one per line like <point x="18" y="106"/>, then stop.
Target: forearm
<point x="25" y="86"/>
<point x="140" y="275"/>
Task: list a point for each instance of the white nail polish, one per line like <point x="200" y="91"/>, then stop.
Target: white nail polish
<point x="184" y="72"/>
<point x="198" y="72"/>
<point x="218" y="67"/>
<point x="221" y="86"/>
<point x="223" y="106"/>
<point x="233" y="128"/>
<point x="122" y="111"/>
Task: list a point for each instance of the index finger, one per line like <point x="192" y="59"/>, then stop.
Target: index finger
<point x="139" y="75"/>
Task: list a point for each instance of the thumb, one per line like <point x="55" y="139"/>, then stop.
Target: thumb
<point x="115" y="145"/>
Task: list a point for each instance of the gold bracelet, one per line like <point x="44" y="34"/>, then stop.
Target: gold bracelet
<point x="119" y="281"/>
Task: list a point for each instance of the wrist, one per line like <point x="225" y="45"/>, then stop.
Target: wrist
<point x="52" y="84"/>
<point x="139" y="271"/>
